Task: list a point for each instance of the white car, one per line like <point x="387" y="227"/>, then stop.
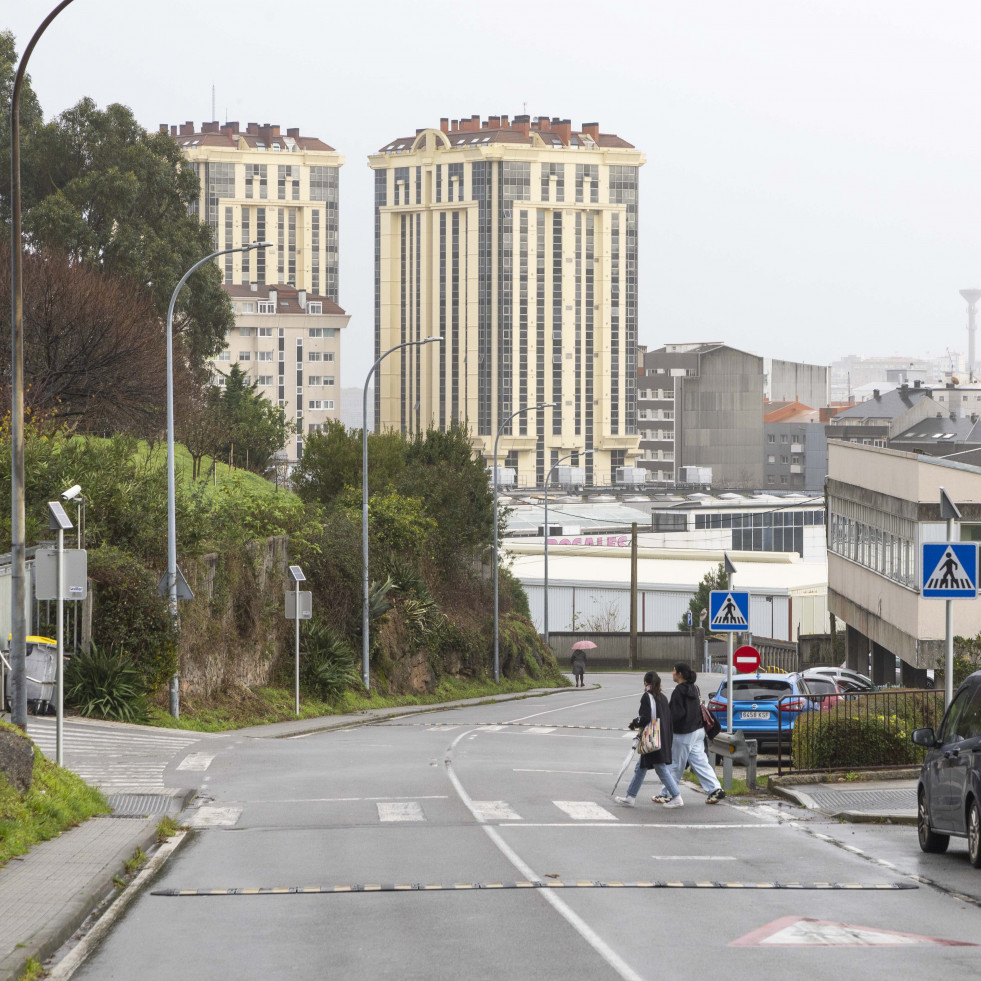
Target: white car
<point x="847" y="679"/>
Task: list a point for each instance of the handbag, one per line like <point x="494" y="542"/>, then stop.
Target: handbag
<point x="709" y="722"/>
<point x="650" y="736"/>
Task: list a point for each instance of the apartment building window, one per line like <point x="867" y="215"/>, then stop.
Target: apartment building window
<point x="267" y="306"/>
<point x="328" y="380"/>
<point x="315" y="427"/>
<point x="265" y="380"/>
<point x="315" y="380"/>
<point x="264" y="356"/>
<point x="315" y="306"/>
<point x="224" y="355"/>
<point x="220" y="381"/>
<point x="246" y="308"/>
<point x="246" y="332"/>
<point x="327" y="332"/>
<point x="265" y="331"/>
<point x="245" y="355"/>
<point x="328" y="355"/>
<point x="315" y="356"/>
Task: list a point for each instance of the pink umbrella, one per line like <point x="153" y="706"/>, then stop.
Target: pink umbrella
<point x="583" y="645"/>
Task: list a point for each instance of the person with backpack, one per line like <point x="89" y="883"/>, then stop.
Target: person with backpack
<point x="689" y="738"/>
<point x="653" y="705"/>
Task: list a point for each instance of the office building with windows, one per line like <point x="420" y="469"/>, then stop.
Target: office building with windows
<point x="258" y="184"/>
<point x="516" y="242"/>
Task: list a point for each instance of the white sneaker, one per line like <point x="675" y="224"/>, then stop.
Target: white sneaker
<point x="675" y="802"/>
<point x="626" y="801"/>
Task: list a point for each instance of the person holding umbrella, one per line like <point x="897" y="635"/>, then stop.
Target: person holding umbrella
<point x="578" y="660"/>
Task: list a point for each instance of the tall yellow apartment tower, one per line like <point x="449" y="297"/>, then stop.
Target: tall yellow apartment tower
<point x="258" y="184"/>
<point x="516" y="242"/>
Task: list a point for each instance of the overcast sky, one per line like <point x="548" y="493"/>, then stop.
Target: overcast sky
<point x="813" y="177"/>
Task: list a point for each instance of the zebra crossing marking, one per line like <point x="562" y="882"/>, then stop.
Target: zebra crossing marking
<point x="400" y="811"/>
<point x="495" y="810"/>
<point x="196" y="761"/>
<point x="584" y="810"/>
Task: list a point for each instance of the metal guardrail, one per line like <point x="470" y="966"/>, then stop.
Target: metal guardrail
<point x="856" y="731"/>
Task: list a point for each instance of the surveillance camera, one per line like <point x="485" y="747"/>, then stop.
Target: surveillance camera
<point x="72" y="492"/>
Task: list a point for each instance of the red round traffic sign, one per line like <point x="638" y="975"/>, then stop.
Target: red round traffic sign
<point x="746" y="659"/>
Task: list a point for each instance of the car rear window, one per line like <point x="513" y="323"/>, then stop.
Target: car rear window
<point x="759" y="690"/>
<point x="820" y="686"/>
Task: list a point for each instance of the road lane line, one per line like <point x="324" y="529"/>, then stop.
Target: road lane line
<point x="589" y="773"/>
<point x="616" y="962"/>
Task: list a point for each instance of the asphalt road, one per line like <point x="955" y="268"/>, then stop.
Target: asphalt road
<point x="457" y="799"/>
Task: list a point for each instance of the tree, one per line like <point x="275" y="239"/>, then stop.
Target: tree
<point x="94" y="352"/>
<point x="31" y="118"/>
<point x="714" y="579"/>
<point x="100" y="188"/>
<point x="251" y="427"/>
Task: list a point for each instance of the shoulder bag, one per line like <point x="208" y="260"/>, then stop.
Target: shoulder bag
<point x="650" y="736"/>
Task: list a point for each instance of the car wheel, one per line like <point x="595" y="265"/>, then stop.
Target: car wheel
<point x="974" y="834"/>
<point x="930" y="841"/>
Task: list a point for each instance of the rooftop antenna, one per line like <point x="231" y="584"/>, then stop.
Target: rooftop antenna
<point x="214" y="117"/>
<point x="972" y="297"/>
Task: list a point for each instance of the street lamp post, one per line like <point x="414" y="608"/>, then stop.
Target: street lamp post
<point x="497" y="631"/>
<point x="365" y="670"/>
<point x="171" y="492"/>
<point x="18" y="520"/>
<point x="547" y="477"/>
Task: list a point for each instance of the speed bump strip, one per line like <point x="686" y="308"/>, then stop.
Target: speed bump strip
<point x="535" y="884"/>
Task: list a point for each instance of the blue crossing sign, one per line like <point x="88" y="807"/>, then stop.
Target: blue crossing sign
<point x="728" y="610"/>
<point x="949" y="570"/>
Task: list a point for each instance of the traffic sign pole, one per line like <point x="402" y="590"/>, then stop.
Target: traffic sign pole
<point x="950" y="512"/>
<point x="730" y="569"/>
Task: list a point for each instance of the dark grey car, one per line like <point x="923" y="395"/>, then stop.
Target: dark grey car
<point x="949" y="789"/>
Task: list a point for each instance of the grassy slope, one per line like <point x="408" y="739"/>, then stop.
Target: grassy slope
<point x="57" y="800"/>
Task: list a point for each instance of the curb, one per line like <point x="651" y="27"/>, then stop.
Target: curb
<point x="50" y="937"/>
<point x="852" y="817"/>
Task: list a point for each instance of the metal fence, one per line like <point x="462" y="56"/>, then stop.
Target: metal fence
<point x="857" y="731"/>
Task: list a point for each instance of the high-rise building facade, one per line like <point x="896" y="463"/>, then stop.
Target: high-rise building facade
<point x="516" y="242"/>
<point x="258" y="184"/>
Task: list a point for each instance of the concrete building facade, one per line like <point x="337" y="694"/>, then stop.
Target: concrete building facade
<point x="702" y="406"/>
<point x="795" y="455"/>
<point x="883" y="504"/>
<point x="516" y="242"/>
<point x="258" y="184"/>
<point x="794" y="381"/>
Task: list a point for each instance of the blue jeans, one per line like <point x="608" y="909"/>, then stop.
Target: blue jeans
<point x="688" y="749"/>
<point x="663" y="770"/>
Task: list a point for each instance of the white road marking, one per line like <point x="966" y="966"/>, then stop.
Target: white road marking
<point x="584" y="810"/>
<point x="590" y="773"/>
<point x="213" y="817"/>
<point x="404" y="811"/>
<point x="539" y="730"/>
<point x="694" y="858"/>
<point x="490" y="728"/>
<point x="649" y="824"/>
<point x="616" y="962"/>
<point x="495" y="810"/>
<point x="196" y="761"/>
<point x="341" y="800"/>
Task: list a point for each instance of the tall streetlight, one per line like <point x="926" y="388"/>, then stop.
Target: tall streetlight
<point x="175" y="706"/>
<point x="547" y="476"/>
<point x="365" y="671"/>
<point x="18" y="522"/>
<point x="497" y="630"/>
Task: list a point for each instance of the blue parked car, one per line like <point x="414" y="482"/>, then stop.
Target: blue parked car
<point x="765" y="706"/>
<point x="949" y="791"/>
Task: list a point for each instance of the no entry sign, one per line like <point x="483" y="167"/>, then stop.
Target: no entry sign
<point x="746" y="659"/>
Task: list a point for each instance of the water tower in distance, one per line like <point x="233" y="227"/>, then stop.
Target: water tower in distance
<point x="972" y="297"/>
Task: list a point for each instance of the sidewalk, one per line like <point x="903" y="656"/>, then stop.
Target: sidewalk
<point x="879" y="798"/>
<point x="46" y="894"/>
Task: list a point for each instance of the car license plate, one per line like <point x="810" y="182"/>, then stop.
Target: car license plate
<point x="758" y="716"/>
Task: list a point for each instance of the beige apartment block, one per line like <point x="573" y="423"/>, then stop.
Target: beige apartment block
<point x="516" y="242"/>
<point x="289" y="343"/>
<point x="259" y="184"/>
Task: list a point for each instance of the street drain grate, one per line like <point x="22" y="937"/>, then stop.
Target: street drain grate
<point x="140" y="805"/>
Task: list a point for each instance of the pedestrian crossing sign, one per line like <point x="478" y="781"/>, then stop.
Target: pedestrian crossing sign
<point x="950" y="570"/>
<point x="728" y="610"/>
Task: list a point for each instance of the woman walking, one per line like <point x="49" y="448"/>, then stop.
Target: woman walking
<point x="688" y="748"/>
<point x="653" y="704"/>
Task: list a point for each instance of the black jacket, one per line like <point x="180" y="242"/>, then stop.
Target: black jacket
<point x="649" y="760"/>
<point x="686" y="716"/>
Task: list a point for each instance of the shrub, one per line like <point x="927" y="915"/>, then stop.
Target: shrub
<point x="328" y="665"/>
<point x="105" y="685"/>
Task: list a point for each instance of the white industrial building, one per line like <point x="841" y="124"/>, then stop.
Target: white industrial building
<point x="590" y="584"/>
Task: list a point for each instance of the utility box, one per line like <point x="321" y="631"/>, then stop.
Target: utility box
<point x="570" y="478"/>
<point x="505" y="476"/>
<point x="631" y="476"/>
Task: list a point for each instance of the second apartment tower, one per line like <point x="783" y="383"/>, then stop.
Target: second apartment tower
<point x="516" y="242"/>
